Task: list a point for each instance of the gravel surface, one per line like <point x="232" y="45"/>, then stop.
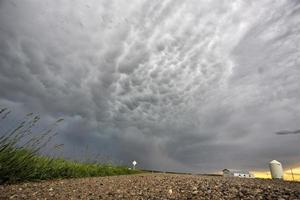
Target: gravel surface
<point x="154" y="186"/>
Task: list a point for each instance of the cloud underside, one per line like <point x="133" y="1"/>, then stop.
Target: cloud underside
<point x="175" y="85"/>
<point x="285" y="132"/>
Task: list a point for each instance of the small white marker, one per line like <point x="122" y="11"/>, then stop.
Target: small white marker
<point x="134" y="164"/>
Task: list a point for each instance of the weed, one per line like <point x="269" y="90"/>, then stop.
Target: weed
<point x="20" y="159"/>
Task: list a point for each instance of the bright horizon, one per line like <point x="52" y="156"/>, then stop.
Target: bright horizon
<point x="287" y="174"/>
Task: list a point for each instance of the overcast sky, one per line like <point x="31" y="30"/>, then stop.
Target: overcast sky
<point x="192" y="85"/>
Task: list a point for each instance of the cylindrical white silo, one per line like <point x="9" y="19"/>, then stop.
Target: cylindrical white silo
<point x="276" y="169"/>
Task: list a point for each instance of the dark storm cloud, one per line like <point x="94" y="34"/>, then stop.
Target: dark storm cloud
<point x="285" y="132"/>
<point x="176" y="85"/>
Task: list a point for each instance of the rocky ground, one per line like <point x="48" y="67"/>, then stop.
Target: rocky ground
<point x="154" y="186"/>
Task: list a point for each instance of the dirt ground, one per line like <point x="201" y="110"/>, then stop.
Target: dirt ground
<point x="154" y="186"/>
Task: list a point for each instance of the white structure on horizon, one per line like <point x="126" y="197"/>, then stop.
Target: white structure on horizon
<point x="237" y="173"/>
<point x="134" y="164"/>
<point x="276" y="169"/>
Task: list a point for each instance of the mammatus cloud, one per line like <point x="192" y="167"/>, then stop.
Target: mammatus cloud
<point x="176" y="85"/>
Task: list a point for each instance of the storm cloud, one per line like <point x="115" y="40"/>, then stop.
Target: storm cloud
<point x="285" y="132"/>
<point x="176" y="85"/>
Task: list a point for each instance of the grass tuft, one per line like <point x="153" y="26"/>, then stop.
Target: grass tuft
<point x="20" y="161"/>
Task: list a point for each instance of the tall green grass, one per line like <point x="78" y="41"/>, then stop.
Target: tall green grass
<point x="20" y="159"/>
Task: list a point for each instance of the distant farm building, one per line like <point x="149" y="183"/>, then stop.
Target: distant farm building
<point x="237" y="173"/>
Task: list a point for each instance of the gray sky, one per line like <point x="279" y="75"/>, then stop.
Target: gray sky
<point x="176" y="85"/>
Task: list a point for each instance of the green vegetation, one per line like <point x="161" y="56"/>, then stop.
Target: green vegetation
<point x="20" y="161"/>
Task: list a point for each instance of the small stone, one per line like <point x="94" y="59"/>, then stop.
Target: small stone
<point x="258" y="190"/>
<point x="13" y="196"/>
<point x="132" y="193"/>
<point x="170" y="191"/>
<point x="51" y="189"/>
<point x="195" y="192"/>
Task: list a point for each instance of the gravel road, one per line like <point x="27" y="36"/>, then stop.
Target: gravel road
<point x="154" y="186"/>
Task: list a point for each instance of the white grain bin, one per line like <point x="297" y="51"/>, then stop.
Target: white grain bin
<point x="276" y="169"/>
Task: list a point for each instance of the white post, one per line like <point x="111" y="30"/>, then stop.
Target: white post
<point x="134" y="164"/>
